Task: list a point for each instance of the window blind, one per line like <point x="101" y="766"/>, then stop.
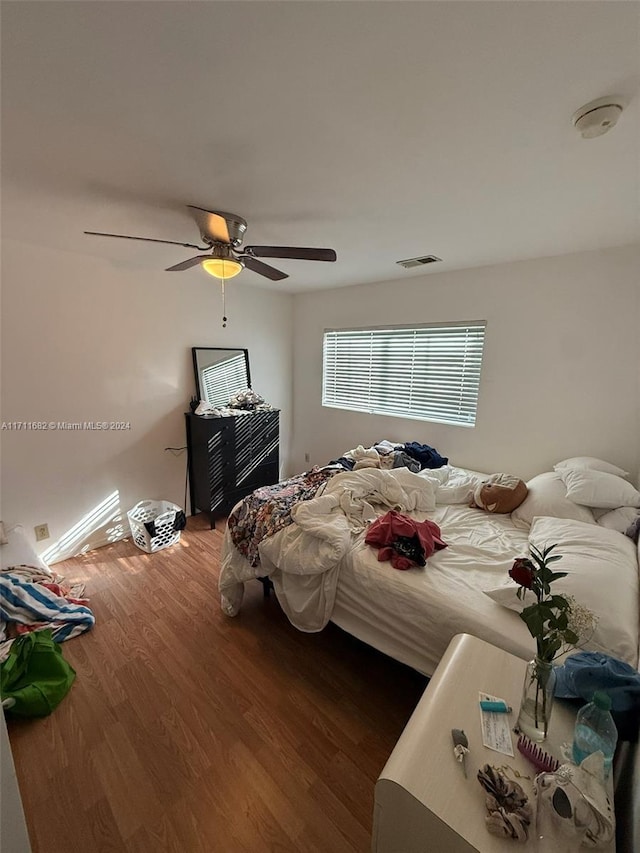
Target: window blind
<point x="220" y="381"/>
<point x="427" y="372"/>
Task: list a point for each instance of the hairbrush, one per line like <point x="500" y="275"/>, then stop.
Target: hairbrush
<point x="541" y="760"/>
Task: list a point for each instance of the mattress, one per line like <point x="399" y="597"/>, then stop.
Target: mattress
<point x="322" y="574"/>
<point x="413" y="615"/>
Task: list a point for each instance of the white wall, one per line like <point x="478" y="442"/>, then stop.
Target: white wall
<point x="86" y="340"/>
<point x="560" y="371"/>
<point x="13" y="829"/>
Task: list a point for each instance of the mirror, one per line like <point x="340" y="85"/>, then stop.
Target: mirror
<point x="220" y="373"/>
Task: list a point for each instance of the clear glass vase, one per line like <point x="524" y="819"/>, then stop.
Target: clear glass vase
<point x="537" y="700"/>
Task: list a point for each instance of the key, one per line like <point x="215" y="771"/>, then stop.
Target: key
<point x="460" y="748"/>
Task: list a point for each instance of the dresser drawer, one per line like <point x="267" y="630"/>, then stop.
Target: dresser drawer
<point x="229" y="457"/>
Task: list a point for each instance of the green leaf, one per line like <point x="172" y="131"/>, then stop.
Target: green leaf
<point x="534" y="620"/>
<point x="556" y="575"/>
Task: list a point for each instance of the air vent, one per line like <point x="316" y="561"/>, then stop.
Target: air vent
<point x="410" y="263"/>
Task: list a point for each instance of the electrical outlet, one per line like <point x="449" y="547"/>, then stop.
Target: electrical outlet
<point x="42" y="532"/>
<point x="307" y="457"/>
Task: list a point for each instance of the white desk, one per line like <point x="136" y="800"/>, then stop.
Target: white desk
<point x="423" y="803"/>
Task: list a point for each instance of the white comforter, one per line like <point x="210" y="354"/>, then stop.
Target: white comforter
<point x="303" y="560"/>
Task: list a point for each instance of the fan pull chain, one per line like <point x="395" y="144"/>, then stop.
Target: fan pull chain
<point x="224" y="309"/>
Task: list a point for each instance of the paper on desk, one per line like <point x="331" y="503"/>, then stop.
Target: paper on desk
<point x="496" y="728"/>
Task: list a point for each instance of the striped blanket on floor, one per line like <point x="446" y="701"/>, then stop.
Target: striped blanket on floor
<point x="32" y="604"/>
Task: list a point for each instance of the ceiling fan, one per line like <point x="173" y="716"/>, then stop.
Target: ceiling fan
<point x="223" y="234"/>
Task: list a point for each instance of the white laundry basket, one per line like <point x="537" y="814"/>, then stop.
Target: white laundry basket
<point x="163" y="514"/>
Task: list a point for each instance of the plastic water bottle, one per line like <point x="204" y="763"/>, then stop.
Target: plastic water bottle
<point x="595" y="730"/>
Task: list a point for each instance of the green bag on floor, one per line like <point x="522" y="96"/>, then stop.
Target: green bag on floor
<point x="35" y="675"/>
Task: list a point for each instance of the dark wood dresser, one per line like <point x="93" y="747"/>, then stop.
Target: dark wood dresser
<point x="229" y="457"/>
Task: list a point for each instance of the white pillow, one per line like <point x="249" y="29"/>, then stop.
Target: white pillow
<point x="548" y="496"/>
<point x="19" y="552"/>
<point x="3" y="535"/>
<point x="619" y="519"/>
<point x="590" y="463"/>
<point x="602" y="569"/>
<point x="598" y="489"/>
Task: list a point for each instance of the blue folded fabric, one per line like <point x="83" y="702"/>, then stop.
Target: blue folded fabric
<point x="585" y="672"/>
<point x="428" y="457"/>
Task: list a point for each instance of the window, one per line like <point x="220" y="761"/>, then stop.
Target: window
<point x="430" y="373"/>
<point x="223" y="379"/>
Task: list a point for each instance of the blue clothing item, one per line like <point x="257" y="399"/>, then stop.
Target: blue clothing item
<point x="428" y="457"/>
<point x="347" y="464"/>
<point x="585" y="672"/>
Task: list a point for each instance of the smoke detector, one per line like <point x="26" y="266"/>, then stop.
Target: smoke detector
<point x="597" y="117"/>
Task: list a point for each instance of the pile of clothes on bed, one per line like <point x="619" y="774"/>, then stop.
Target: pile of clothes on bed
<point x="386" y="454"/>
<point x="296" y="532"/>
<point x="269" y="509"/>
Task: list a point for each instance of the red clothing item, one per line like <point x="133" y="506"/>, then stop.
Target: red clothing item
<point x="386" y="530"/>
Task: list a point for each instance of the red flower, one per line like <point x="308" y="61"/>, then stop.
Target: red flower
<point x="523" y="572"/>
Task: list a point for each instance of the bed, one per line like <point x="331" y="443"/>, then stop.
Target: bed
<point x="322" y="569"/>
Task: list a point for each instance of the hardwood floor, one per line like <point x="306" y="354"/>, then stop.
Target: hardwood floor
<point x="188" y="731"/>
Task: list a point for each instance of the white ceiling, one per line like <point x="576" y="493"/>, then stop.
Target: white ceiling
<point x="385" y="130"/>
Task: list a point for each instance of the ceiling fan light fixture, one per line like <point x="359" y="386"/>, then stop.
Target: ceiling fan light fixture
<point x="224" y="268"/>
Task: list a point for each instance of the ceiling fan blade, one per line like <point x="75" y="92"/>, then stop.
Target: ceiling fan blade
<point x="148" y="240"/>
<point x="296" y="252"/>
<point x="186" y="265"/>
<point x="254" y="264"/>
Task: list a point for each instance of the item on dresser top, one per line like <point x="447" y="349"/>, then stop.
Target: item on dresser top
<point x="460" y="748"/>
<point x="585" y="672"/>
<point x="204" y="409"/>
<point x="573" y="806"/>
<point x="495" y="707"/>
<point x="247" y="400"/>
<point x="557" y="623"/>
<point x="403" y="541"/>
<point x="35" y="677"/>
<point x="500" y="493"/>
<point x="510" y="812"/>
<point x="595" y="730"/>
<point x="495" y="724"/>
<point x="541" y="760"/>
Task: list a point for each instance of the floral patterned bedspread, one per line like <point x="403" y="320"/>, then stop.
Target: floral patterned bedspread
<point x="268" y="509"/>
